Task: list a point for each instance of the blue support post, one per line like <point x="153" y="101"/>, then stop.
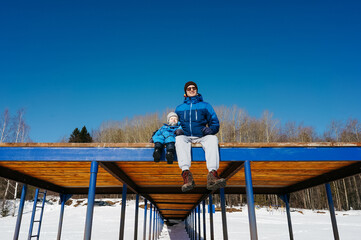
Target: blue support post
<point x="145" y="219"/>
<point x="161" y="222"/>
<point x="332" y="211"/>
<point x="250" y="200"/>
<point x="136" y="217"/>
<point x="286" y="199"/>
<point x="63" y="199"/>
<point x="204" y="220"/>
<point x="190" y="226"/>
<point x="20" y="212"/>
<point x="156" y="226"/>
<point x="122" y="217"/>
<point x="150" y="221"/>
<point x="195" y="223"/>
<point x="91" y="199"/>
<point x="224" y="216"/>
<point x="199" y="222"/>
<point x="154" y="222"/>
<point x="211" y="216"/>
<point x="33" y="213"/>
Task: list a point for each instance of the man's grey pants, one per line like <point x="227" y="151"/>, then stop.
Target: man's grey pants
<point x="183" y="145"/>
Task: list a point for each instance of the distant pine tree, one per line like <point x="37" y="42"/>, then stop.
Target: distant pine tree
<point x="85" y="136"/>
<point x="80" y="137"/>
<point x="75" y="136"/>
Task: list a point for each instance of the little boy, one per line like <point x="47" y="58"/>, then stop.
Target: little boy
<point x="166" y="135"/>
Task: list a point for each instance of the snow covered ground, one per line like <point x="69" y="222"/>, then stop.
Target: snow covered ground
<point x="307" y="225"/>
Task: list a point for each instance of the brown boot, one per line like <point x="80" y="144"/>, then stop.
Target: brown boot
<point x="214" y="181"/>
<point x="188" y="181"/>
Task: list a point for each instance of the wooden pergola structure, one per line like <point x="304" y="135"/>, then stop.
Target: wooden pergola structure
<point x="90" y="168"/>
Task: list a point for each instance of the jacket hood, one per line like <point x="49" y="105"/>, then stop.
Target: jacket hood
<point x="195" y="99"/>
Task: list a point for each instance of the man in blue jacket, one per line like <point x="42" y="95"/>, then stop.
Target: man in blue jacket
<point x="200" y="124"/>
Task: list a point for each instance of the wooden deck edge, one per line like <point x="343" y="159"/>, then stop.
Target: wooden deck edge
<point x="151" y="145"/>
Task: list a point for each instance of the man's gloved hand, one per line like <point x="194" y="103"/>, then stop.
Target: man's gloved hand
<point x="207" y="131"/>
<point x="179" y="132"/>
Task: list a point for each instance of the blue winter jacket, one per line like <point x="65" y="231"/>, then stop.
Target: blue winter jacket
<point x="194" y="115"/>
<point x="166" y="134"/>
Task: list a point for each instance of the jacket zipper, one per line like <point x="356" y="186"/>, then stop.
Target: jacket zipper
<point x="196" y="115"/>
<point x="190" y="119"/>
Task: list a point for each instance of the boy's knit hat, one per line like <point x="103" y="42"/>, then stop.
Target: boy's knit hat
<point x="171" y="114"/>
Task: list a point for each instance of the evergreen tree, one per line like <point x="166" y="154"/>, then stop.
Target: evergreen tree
<point x="80" y="137"/>
<point x="75" y="136"/>
<point x="85" y="136"/>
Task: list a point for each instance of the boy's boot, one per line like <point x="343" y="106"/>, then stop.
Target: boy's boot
<point x="214" y="181"/>
<point x="188" y="181"/>
<point x="170" y="152"/>
<point x="158" y="148"/>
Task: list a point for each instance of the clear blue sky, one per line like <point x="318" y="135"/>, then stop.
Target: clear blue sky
<point x="75" y="63"/>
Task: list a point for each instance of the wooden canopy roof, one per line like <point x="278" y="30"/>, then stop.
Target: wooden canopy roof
<point x="277" y="168"/>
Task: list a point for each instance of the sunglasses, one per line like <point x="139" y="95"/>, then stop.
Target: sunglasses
<point x="191" y="88"/>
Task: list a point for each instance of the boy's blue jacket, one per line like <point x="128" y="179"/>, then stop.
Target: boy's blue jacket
<point x="194" y="115"/>
<point x="166" y="134"/>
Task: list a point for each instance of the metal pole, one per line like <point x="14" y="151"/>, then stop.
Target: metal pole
<point x="154" y="222"/>
<point x="33" y="214"/>
<point x="150" y="221"/>
<point x="332" y="211"/>
<point x="122" y="214"/>
<point x="224" y="216"/>
<point x="204" y="220"/>
<point x="156" y="225"/>
<point x="20" y="212"/>
<point x="145" y="219"/>
<point x="211" y="216"/>
<point x="136" y="217"/>
<point x="250" y="201"/>
<point x="195" y="223"/>
<point x="63" y="199"/>
<point x="286" y="198"/>
<point x="91" y="199"/>
<point x="192" y="226"/>
<point x="199" y="222"/>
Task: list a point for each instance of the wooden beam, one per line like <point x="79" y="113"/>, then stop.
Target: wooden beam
<point x="327" y="177"/>
<point x="20" y="177"/>
<point x="119" y="174"/>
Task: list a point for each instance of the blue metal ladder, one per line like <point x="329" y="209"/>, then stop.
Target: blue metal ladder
<point x="35" y="206"/>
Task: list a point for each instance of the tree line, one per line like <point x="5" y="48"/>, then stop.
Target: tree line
<point x="236" y="126"/>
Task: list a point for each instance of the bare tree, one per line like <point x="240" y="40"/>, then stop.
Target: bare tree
<point x="4" y="125"/>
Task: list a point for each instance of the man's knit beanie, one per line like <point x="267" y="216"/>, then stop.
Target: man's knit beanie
<point x="188" y="84"/>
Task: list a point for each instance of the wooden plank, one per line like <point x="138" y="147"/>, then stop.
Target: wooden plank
<point x="299" y="165"/>
<point x="188" y="197"/>
<point x="168" y="212"/>
<point x="174" y="206"/>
